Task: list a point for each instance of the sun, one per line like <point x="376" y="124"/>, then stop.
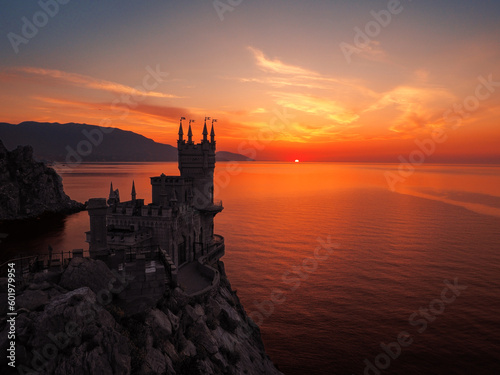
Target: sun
<point x="297" y="160"/>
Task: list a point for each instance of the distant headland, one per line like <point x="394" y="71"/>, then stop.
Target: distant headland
<point x="29" y="188"/>
<point x="75" y="143"/>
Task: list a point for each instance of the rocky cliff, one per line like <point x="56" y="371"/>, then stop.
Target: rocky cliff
<point x="69" y="324"/>
<point x="29" y="188"/>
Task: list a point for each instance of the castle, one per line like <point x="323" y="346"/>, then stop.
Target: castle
<point x="180" y="219"/>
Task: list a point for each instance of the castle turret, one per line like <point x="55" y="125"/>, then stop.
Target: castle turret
<point x="190" y="133"/>
<point x="133" y="191"/>
<point x="212" y="133"/>
<point x="181" y="132"/>
<point x="98" y="244"/>
<point x="205" y="131"/>
<point x="114" y="195"/>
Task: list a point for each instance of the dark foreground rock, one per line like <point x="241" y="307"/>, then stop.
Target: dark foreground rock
<point x="62" y="331"/>
<point x="29" y="188"/>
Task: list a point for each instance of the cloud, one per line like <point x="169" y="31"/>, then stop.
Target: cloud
<point x="422" y="75"/>
<point x="91" y="83"/>
<point x="276" y="66"/>
<point x="317" y="106"/>
<point x="373" y="52"/>
<point x="337" y="105"/>
<point x="154" y="121"/>
<point x="417" y="109"/>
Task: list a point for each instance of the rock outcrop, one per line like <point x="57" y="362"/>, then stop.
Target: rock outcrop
<point x="29" y="188"/>
<point x="62" y="331"/>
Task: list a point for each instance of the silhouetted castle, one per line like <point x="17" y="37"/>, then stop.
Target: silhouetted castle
<point x="180" y="219"/>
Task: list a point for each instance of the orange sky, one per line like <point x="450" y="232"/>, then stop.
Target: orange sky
<point x="277" y="78"/>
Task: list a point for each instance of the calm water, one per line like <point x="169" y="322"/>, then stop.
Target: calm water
<point x="329" y="314"/>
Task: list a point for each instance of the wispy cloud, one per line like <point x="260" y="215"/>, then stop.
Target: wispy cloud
<point x="90" y="82"/>
<point x="317" y="106"/>
<point x="276" y="66"/>
<point x="373" y="51"/>
<point x="350" y="108"/>
<point x="155" y="121"/>
<point x="308" y="91"/>
<point x="416" y="109"/>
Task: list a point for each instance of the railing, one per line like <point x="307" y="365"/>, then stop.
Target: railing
<point x="210" y="206"/>
<point x="215" y="249"/>
<point x="40" y="261"/>
<point x="23" y="266"/>
<point x="217" y="238"/>
<point x="209" y="272"/>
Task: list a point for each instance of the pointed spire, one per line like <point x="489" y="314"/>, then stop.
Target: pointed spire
<point x="111" y="191"/>
<point x="190" y="132"/>
<point x="205" y="131"/>
<point x="212" y="132"/>
<point x="181" y="132"/>
<point x="133" y="190"/>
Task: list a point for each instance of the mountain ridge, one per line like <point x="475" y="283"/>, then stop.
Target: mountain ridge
<point x="75" y="143"/>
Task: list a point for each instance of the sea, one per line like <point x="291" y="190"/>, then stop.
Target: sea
<point x="347" y="268"/>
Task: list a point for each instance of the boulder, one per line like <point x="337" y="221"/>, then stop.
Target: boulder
<point x="174" y="319"/>
<point x="32" y="299"/>
<point x="159" y="322"/>
<point x="194" y="313"/>
<point x="91" y="273"/>
<point x="202" y="336"/>
<point x="78" y="326"/>
<point x="154" y="362"/>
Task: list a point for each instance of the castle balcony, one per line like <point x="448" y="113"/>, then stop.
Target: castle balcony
<point x="213" y="207"/>
<point x="201" y="276"/>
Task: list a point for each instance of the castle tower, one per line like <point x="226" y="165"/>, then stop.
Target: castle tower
<point x="197" y="161"/>
<point x="98" y="244"/>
